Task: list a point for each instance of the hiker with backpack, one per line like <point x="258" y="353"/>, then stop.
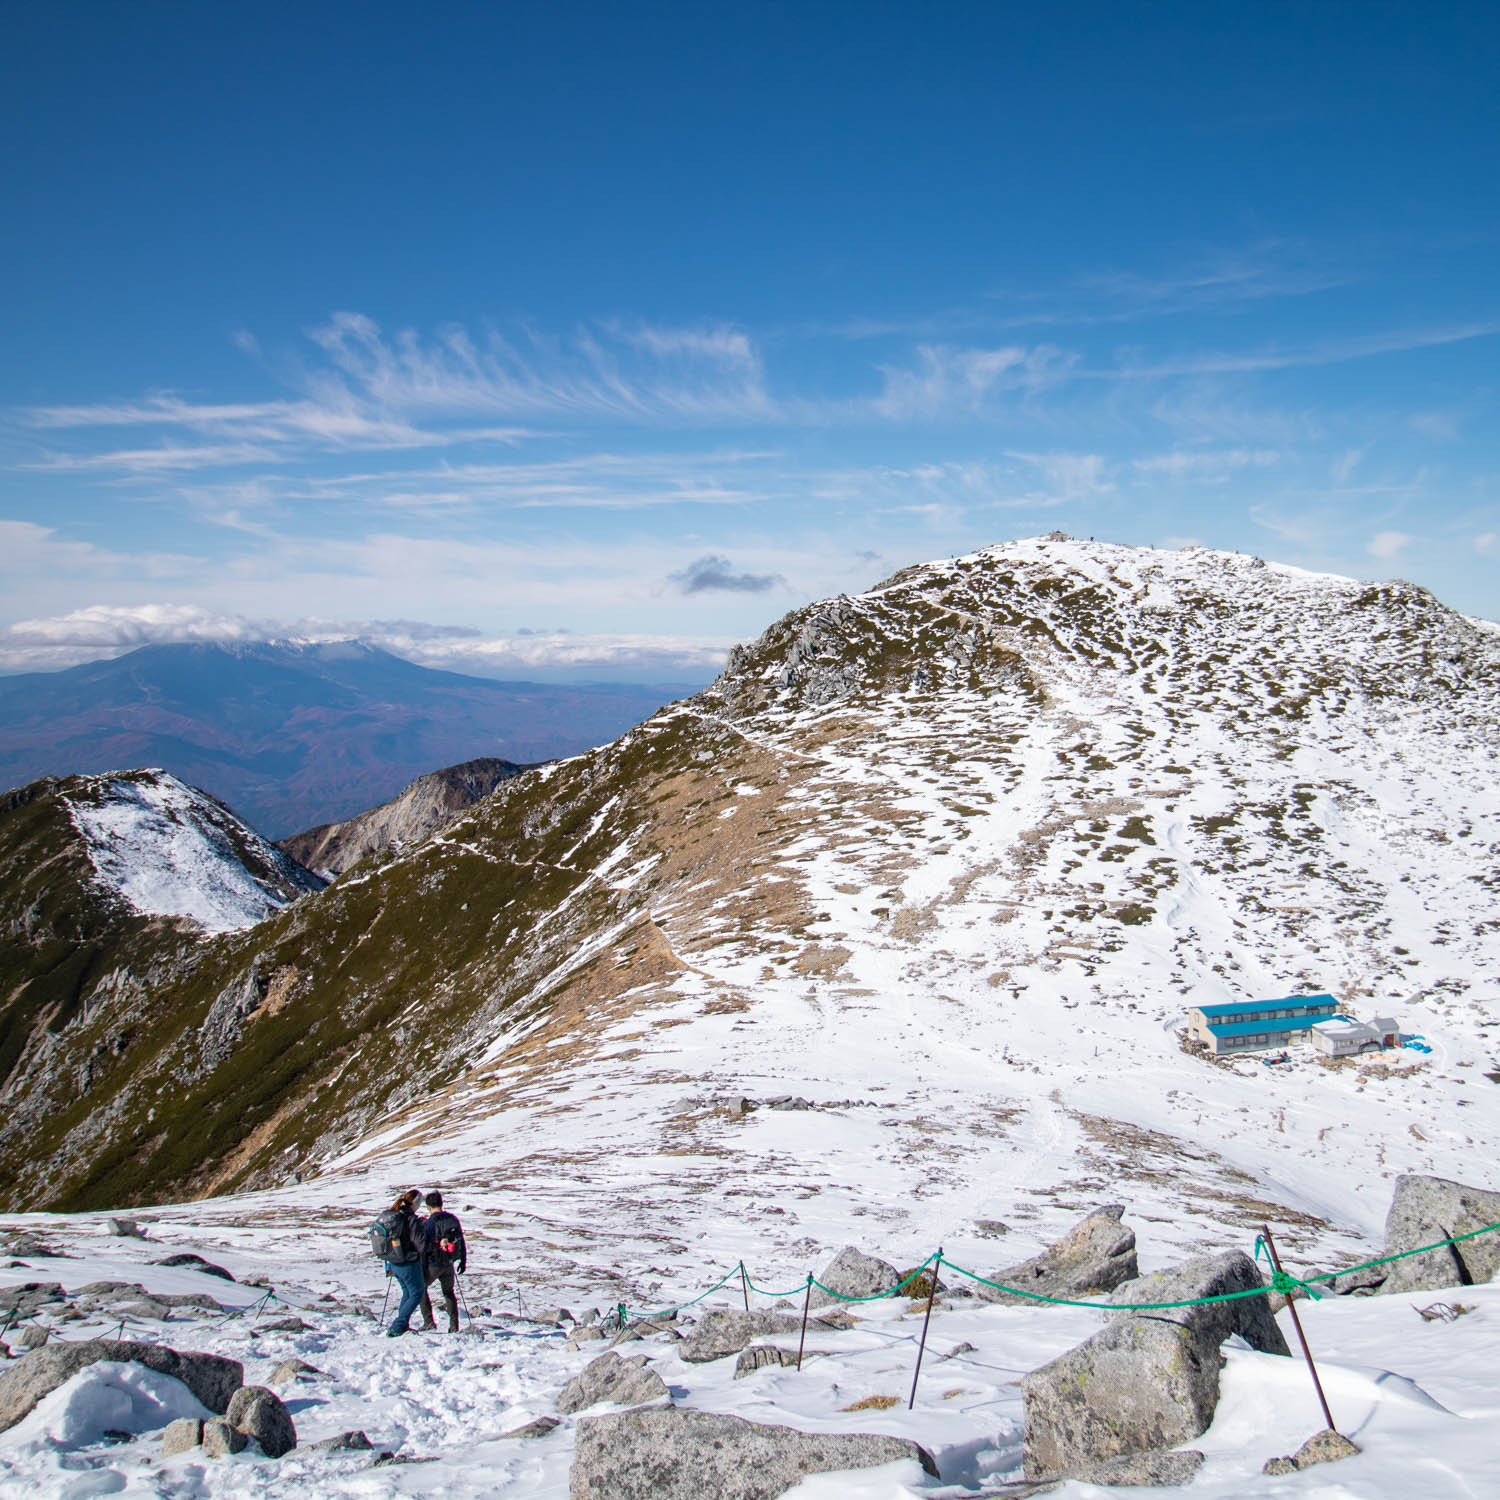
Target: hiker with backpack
<point x="394" y="1238"/>
<point x="444" y="1255"/>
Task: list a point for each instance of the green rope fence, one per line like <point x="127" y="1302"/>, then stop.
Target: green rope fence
<point x="1280" y="1281"/>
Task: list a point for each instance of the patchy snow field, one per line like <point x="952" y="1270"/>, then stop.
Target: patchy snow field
<point x="1420" y="1398"/>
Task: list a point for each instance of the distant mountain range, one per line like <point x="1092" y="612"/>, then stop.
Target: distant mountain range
<point x="294" y="735"/>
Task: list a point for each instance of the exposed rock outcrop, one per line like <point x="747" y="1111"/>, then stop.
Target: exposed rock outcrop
<point x="727" y="1331"/>
<point x="211" y="1378"/>
<point x="1095" y="1256"/>
<point x="1426" y="1209"/>
<point x="1148" y="1380"/>
<point x="673" y="1454"/>
<point x="851" y="1273"/>
<point x="626" y="1382"/>
<point x="413" y="814"/>
<point x="1210" y="1276"/>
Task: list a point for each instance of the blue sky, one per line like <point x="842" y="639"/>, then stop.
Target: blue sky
<point x="588" y="339"/>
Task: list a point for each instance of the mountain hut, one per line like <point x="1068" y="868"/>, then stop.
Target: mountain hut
<point x="1254" y="1025"/>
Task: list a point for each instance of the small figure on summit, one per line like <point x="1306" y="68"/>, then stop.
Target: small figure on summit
<point x="444" y="1255"/>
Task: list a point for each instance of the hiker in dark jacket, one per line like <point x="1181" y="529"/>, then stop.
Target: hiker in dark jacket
<point x="403" y="1257"/>
<point x="444" y="1254"/>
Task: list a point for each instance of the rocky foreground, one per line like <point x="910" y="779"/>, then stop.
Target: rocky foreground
<point x="230" y="1387"/>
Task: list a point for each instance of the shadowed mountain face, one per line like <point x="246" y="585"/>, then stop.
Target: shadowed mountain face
<point x="403" y="822"/>
<point x="292" y="736"/>
<point x="948" y="860"/>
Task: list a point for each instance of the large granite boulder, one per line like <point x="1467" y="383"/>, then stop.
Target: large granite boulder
<point x="1210" y="1276"/>
<point x="1148" y="1380"/>
<point x="727" y="1331"/>
<point x="667" y="1453"/>
<point x="260" y="1413"/>
<point x="626" y="1382"/>
<point x="851" y="1273"/>
<point x="1425" y="1209"/>
<point x="211" y="1378"/>
<point x="1095" y="1256"/>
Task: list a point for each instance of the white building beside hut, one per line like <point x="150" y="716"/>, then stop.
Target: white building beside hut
<point x="1343" y="1036"/>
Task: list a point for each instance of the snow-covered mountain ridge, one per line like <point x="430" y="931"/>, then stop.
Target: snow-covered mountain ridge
<point x="169" y="850"/>
<point x="946" y="861"/>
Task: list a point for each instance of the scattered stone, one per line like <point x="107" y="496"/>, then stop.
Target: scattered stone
<point x="851" y="1273"/>
<point x="539" y="1428"/>
<point x="727" y="1331"/>
<point x="1425" y="1209"/>
<point x="669" y="1453"/>
<point x="1144" y="1469"/>
<point x="27" y="1297"/>
<point x="144" y="1307"/>
<point x="125" y="1229"/>
<point x="759" y="1356"/>
<point x="188" y="1260"/>
<point x="789" y="1101"/>
<point x="261" y="1414"/>
<point x="291" y="1324"/>
<point x="1211" y="1276"/>
<point x="1324" y="1447"/>
<point x="626" y="1382"/>
<point x="345" y="1442"/>
<point x="1095" y="1256"/>
<point x="212" y="1379"/>
<point x="289" y="1370"/>
<point x="34" y="1338"/>
<point x="180" y="1436"/>
<point x="589" y="1335"/>
<point x="1148" y="1380"/>
<point x="108" y="1289"/>
<point x="220" y="1439"/>
<point x="554" y="1317"/>
<point x="990" y="1228"/>
<point x="956" y="1350"/>
<point x="1351" y="1283"/>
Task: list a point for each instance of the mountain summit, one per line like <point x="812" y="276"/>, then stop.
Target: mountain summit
<point x="944" y="864"/>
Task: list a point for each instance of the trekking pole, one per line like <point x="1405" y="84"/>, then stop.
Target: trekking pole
<point x="926" y="1319"/>
<point x="459" y="1285"/>
<point x="380" y="1321"/>
<point x="1291" y="1307"/>
<point x="745" y="1285"/>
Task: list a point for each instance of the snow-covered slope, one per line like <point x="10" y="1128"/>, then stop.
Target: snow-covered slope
<point x="946" y="860"/>
<point x="169" y="850"/>
<point x="886" y="939"/>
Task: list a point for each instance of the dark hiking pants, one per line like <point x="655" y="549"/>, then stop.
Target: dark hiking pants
<point x="444" y="1276"/>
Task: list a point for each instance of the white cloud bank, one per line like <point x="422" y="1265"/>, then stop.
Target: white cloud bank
<point x="100" y="632"/>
